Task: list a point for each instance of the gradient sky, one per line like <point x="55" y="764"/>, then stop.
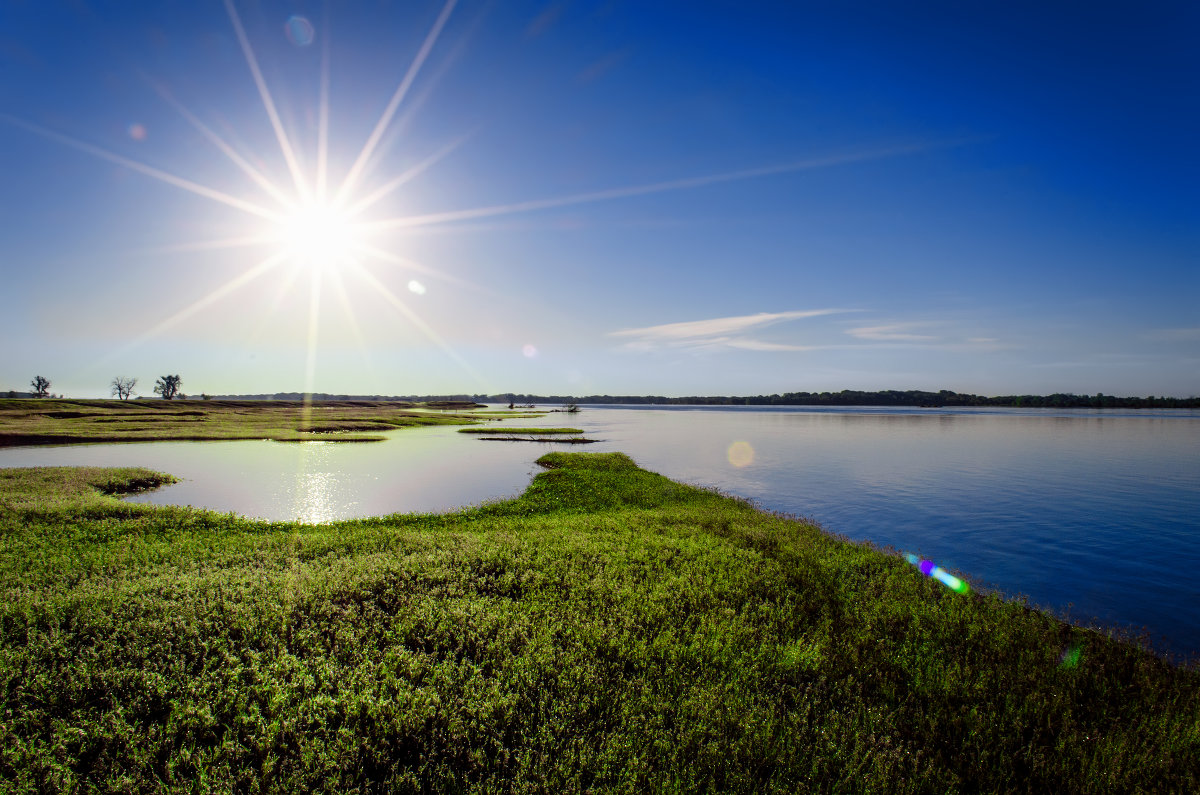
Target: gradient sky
<point x="635" y="197"/>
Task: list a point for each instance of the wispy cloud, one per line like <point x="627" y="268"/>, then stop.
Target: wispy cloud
<point x="602" y="67"/>
<point x="893" y="332"/>
<point x="1175" y="334"/>
<point x="721" y="332"/>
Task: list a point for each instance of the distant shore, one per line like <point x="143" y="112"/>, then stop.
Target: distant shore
<point x="847" y="397"/>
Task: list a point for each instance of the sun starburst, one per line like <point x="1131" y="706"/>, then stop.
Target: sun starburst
<point x="318" y="224"/>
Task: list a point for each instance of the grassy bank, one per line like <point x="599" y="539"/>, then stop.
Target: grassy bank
<point x="24" y="422"/>
<point x="608" y="630"/>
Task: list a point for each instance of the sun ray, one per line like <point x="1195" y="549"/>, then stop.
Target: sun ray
<point x="395" y="259"/>
<point x="268" y="103"/>
<point x="375" y="196"/>
<point x="208" y="245"/>
<point x="254" y="174"/>
<point x="323" y="113"/>
<point x="142" y="168"/>
<point x="283" y="285"/>
<point x="416" y="320"/>
<point x="381" y="126"/>
<point x="640" y="190"/>
<point x="314" y="316"/>
<point x="200" y="303"/>
<point x="339" y="289"/>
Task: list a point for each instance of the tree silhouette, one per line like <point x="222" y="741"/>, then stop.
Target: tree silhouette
<point x="41" y="386"/>
<point x="122" y="387"/>
<point x="168" y="386"/>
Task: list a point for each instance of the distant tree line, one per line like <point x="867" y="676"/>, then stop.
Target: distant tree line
<point x="846" y="397"/>
<point x="168" y="386"/>
<point x="854" y="397"/>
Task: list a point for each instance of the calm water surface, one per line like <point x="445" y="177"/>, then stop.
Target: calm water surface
<point x="1097" y="513"/>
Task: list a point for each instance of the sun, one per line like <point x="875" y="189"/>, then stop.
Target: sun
<point x="320" y="235"/>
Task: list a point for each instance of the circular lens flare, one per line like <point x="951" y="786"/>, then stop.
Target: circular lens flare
<point x="740" y="454"/>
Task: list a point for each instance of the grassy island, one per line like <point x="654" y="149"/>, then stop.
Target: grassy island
<point x="609" y="630"/>
<point x="58" y="421"/>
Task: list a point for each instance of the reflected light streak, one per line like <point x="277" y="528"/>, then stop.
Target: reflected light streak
<point x="268" y="104"/>
<point x="149" y="171"/>
<point x="310" y="363"/>
<point x="642" y="190"/>
<point x="385" y="120"/>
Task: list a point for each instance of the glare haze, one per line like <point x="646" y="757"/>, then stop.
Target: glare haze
<point x="587" y="198"/>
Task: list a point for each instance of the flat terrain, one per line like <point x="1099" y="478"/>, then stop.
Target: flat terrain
<point x="609" y="630"/>
<point x="76" y="421"/>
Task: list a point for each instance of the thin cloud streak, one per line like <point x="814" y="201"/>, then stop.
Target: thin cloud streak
<point x="718" y="333"/>
<point x="760" y="345"/>
<point x="717" y="326"/>
<point x="894" y="332"/>
<point x="1175" y="334"/>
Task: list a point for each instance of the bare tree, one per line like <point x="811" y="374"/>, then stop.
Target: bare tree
<point x="168" y="386"/>
<point x="41" y="386"/>
<point x="122" y="387"/>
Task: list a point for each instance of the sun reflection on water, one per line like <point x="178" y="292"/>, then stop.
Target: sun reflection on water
<point x="314" y="496"/>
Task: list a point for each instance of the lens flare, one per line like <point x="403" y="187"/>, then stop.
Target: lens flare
<point x="929" y="569"/>
<point x="299" y="31"/>
<point x="1070" y="657"/>
<point x="416" y="287"/>
<point x="740" y="454"/>
<point x="529" y="351"/>
<point x="137" y="131"/>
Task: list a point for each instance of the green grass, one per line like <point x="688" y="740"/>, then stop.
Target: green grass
<point x="609" y="630"/>
<point x="24" y="422"/>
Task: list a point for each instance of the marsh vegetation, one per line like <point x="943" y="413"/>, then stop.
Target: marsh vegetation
<point x="52" y="421"/>
<point x="609" y="629"/>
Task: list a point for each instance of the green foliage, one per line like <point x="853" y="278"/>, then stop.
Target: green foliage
<point x="168" y="386"/>
<point x="609" y="630"/>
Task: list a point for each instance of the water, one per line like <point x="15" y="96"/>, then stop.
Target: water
<point x="416" y="470"/>
<point x="1095" y="513"/>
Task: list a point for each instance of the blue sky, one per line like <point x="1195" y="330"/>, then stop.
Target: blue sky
<point x="601" y="197"/>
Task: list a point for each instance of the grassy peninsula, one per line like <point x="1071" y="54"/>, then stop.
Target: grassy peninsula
<point x="609" y="630"/>
<point x="59" y="421"/>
